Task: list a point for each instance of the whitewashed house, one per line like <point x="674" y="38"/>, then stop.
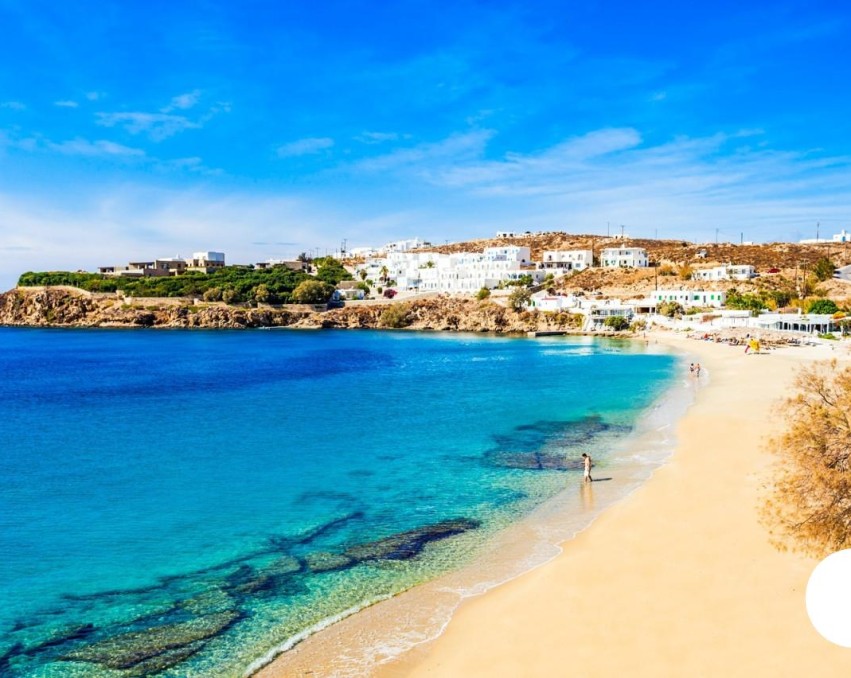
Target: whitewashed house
<point x="690" y="298"/>
<point x="725" y="272"/>
<point x="543" y="301"/>
<point x="624" y="257"/>
<point x="461" y="272"/>
<point x="567" y="260"/>
<point x="794" y="322"/>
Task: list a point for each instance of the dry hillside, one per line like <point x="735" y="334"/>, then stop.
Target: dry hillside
<point x="763" y="257"/>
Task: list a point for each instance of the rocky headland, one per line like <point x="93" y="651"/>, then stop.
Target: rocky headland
<point x="70" y="307"/>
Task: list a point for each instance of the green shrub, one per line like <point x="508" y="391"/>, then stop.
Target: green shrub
<point x="616" y="322"/>
<point x="822" y="306"/>
<point x="483" y="294"/>
<point x="395" y="316"/>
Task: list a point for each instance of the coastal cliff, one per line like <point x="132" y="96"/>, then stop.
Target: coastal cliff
<point x="68" y="307"/>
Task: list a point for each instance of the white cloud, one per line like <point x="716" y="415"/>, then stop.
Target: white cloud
<point x="308" y="146"/>
<point x="94" y="96"/>
<point x="183" y="101"/>
<point x="13" y="105"/>
<point x="66" y="103"/>
<point x="376" y="137"/>
<point x="157" y="126"/>
<point x="456" y="148"/>
<point x="101" y="147"/>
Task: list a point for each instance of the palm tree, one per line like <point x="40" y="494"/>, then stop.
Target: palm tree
<point x="385" y="272"/>
<point x="362" y="273"/>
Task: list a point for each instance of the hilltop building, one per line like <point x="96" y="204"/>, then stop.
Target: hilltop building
<point x="624" y="257"/>
<point x="567" y="260"/>
<point x="726" y="272"/>
<point x="206" y="262"/>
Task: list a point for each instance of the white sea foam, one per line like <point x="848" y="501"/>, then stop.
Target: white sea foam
<point x="292" y="641"/>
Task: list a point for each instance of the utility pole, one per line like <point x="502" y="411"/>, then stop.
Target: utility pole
<point x="607" y="229"/>
<point x="742" y="238"/>
<point x="621" y="231"/>
<point x="818" y="223"/>
<point x="716" y="236"/>
<point x="655" y="234"/>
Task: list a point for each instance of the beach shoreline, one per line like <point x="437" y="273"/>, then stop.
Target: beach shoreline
<point x="679" y="579"/>
<point x="641" y="591"/>
<point x="361" y="642"/>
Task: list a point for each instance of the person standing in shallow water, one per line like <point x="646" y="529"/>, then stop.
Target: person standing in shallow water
<point x="586" y="465"/>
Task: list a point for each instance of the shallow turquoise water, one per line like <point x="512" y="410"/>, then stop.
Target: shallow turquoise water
<point x="192" y="480"/>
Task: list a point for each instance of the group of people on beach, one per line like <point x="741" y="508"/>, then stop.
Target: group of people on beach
<point x="694" y="369"/>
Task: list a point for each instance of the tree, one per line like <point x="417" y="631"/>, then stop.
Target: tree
<point x="616" y="322"/>
<point x="213" y="294"/>
<point x="809" y="505"/>
<point x="312" y="292"/>
<point x="362" y="274"/>
<point x="483" y="294"/>
<point x="824" y="269"/>
<point x="229" y="295"/>
<point x="261" y="294"/>
<point x="303" y="258"/>
<point x="519" y="298"/>
<point x="384" y="273"/>
<point x="822" y="306"/>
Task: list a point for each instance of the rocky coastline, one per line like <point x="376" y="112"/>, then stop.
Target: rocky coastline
<point x="69" y="307"/>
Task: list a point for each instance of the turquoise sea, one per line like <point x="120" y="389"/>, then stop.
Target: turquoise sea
<point x="179" y="503"/>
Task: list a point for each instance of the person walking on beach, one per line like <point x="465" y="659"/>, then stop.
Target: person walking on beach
<point x="697" y="370"/>
<point x="586" y="465"/>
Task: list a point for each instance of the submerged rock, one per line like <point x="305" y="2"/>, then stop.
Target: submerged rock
<point x="534" y="461"/>
<point x="328" y="562"/>
<point x="62" y="636"/>
<point x="165" y="660"/>
<point x="285" y="565"/>
<point x="129" y="650"/>
<point x="406" y="545"/>
<point x="209" y="602"/>
<point x="550" y="445"/>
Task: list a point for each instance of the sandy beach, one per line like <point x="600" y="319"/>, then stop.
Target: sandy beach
<point x="678" y="579"/>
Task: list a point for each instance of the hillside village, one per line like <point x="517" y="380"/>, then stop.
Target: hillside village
<point x="598" y="283"/>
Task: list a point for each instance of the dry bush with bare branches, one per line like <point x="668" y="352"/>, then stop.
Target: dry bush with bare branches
<point x="809" y="505"/>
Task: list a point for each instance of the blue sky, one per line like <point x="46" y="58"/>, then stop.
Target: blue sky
<point x="135" y="130"/>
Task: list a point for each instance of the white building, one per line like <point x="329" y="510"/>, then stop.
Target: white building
<point x="623" y="257"/>
<point x="506" y="234"/>
<point x="542" y="301"/>
<point x="404" y="245"/>
<point x="725" y="272"/>
<point x="462" y="272"/>
<point x="842" y="236"/>
<point x="567" y="260"/>
<point x="689" y="298"/>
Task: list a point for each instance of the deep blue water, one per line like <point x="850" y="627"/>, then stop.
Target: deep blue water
<point x="189" y="479"/>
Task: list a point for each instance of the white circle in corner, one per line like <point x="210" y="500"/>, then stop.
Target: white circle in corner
<point x="829" y="598"/>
